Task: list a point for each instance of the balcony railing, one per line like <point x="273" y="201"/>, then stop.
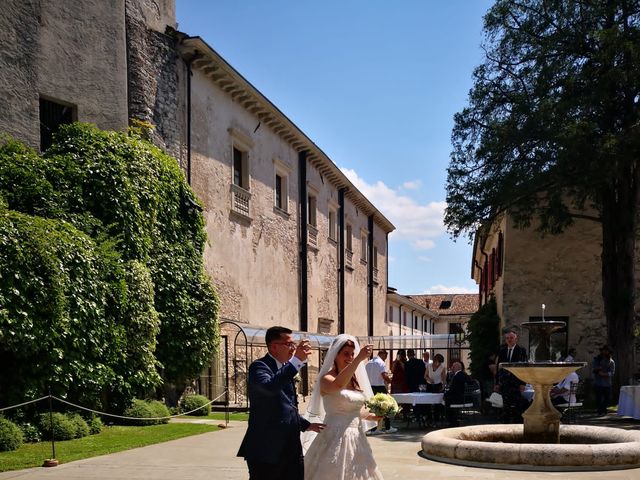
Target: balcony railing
<point x="348" y="258"/>
<point x="312" y="235"/>
<point x="240" y="200"/>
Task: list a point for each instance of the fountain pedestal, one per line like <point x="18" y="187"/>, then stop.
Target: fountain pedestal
<point x="541" y="419"/>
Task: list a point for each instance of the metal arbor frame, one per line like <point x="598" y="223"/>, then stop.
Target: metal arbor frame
<point x="242" y="343"/>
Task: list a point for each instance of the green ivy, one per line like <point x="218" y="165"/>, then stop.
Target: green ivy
<point x="103" y="293"/>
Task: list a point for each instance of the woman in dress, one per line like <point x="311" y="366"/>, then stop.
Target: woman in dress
<point x="341" y="451"/>
<point x="435" y="375"/>
<point x="398" y="374"/>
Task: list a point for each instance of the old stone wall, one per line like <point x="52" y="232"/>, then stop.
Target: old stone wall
<point x="156" y="78"/>
<point x="561" y="271"/>
<point x="72" y="52"/>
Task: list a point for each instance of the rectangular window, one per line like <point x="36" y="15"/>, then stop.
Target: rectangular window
<point x="347" y="239"/>
<point x="390" y="317"/>
<point x="333" y="226"/>
<point x="52" y="115"/>
<point x="238" y="168"/>
<point x="375" y="257"/>
<point x="364" y="246"/>
<point x="279" y="191"/>
<point x="312" y="207"/>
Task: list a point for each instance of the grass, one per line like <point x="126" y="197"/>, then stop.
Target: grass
<point x="242" y="416"/>
<point x="110" y="440"/>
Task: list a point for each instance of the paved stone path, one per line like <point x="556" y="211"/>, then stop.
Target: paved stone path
<point x="211" y="456"/>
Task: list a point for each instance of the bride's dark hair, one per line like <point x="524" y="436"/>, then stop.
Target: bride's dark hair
<point x="354" y="382"/>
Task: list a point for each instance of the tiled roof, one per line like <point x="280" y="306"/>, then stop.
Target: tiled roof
<point x="449" y="304"/>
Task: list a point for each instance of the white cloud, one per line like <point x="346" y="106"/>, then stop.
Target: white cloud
<point x="412" y="185"/>
<point x="422" y="258"/>
<point x="436" y="289"/>
<point x="424" y="244"/>
<point x="414" y="222"/>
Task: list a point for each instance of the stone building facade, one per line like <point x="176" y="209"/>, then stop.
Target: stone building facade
<point x="291" y="240"/>
<point x="453" y="312"/>
<point x="524" y="270"/>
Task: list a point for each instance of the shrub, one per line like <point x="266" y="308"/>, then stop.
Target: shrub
<point x="10" y="435"/>
<point x="193" y="402"/>
<point x="63" y="428"/>
<point x="30" y="433"/>
<point x="79" y="424"/>
<point x="139" y="409"/>
<point x="160" y="410"/>
<point x="95" y="425"/>
<point x="146" y="409"/>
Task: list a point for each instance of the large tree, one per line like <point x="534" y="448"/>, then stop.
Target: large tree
<point x="552" y="133"/>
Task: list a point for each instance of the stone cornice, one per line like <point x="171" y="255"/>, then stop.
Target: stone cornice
<point x="207" y="60"/>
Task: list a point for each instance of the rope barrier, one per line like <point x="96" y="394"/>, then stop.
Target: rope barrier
<point x="111" y="414"/>
<point x="24" y="403"/>
<point x="136" y="418"/>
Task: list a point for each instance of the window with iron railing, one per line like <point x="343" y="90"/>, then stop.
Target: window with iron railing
<point x="240" y="201"/>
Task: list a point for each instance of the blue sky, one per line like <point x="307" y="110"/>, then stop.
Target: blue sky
<point x="375" y="85"/>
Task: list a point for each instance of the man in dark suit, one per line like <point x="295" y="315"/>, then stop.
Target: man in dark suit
<point x="455" y="392"/>
<point x="415" y="369"/>
<point x="271" y="446"/>
<point x="507" y="384"/>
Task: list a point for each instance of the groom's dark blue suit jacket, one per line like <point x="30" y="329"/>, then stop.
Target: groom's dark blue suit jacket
<point x="274" y="421"/>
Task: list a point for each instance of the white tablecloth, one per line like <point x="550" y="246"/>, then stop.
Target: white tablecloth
<point x="419" y="398"/>
<point x="629" y="402"/>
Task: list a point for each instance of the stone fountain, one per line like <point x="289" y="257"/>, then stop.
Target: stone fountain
<point x="541" y="420"/>
<point x="541" y="443"/>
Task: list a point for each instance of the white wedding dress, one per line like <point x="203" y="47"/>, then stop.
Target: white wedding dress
<point x="341" y="451"/>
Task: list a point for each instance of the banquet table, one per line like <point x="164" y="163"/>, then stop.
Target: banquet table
<point x="419" y="398"/>
<point x="629" y="401"/>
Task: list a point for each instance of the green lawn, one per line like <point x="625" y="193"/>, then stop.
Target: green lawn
<point x="110" y="440"/>
<point x="232" y="416"/>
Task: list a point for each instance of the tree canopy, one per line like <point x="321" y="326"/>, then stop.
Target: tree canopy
<point x="103" y="293"/>
<point x="551" y="133"/>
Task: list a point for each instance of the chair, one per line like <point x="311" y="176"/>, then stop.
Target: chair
<point x="569" y="409"/>
<point x="472" y="400"/>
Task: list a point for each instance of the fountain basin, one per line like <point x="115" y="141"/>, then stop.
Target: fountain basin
<point x="541" y="373"/>
<point x="581" y="447"/>
<point x="542" y="420"/>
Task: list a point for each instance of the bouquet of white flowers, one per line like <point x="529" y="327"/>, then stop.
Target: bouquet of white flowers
<point x="382" y="405"/>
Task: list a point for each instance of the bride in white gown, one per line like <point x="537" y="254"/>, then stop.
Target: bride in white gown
<point x="341" y="451"/>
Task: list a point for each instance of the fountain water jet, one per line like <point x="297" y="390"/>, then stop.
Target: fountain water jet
<point x="541" y="443"/>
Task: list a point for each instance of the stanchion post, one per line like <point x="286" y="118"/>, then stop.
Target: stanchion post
<point x="51" y="462"/>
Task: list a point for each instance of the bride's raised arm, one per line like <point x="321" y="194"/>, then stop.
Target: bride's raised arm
<point x="333" y="382"/>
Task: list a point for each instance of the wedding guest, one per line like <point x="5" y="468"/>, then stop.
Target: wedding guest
<point x="603" y="368"/>
<point x="571" y="355"/>
<point x="455" y="393"/>
<point x="414" y="369"/>
<point x="507" y="384"/>
<point x="398" y="374"/>
<point x="340" y="391"/>
<point x="271" y="446"/>
<point x="435" y="374"/>
<point x="426" y="358"/>
<point x="562" y="392"/>
<point x="379" y="379"/>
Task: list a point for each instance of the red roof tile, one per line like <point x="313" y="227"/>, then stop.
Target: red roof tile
<point x="449" y="304"/>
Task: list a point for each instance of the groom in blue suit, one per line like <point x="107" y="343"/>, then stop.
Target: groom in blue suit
<point x="271" y="446"/>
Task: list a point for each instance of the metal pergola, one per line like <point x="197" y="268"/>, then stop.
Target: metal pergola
<point x="243" y="343"/>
